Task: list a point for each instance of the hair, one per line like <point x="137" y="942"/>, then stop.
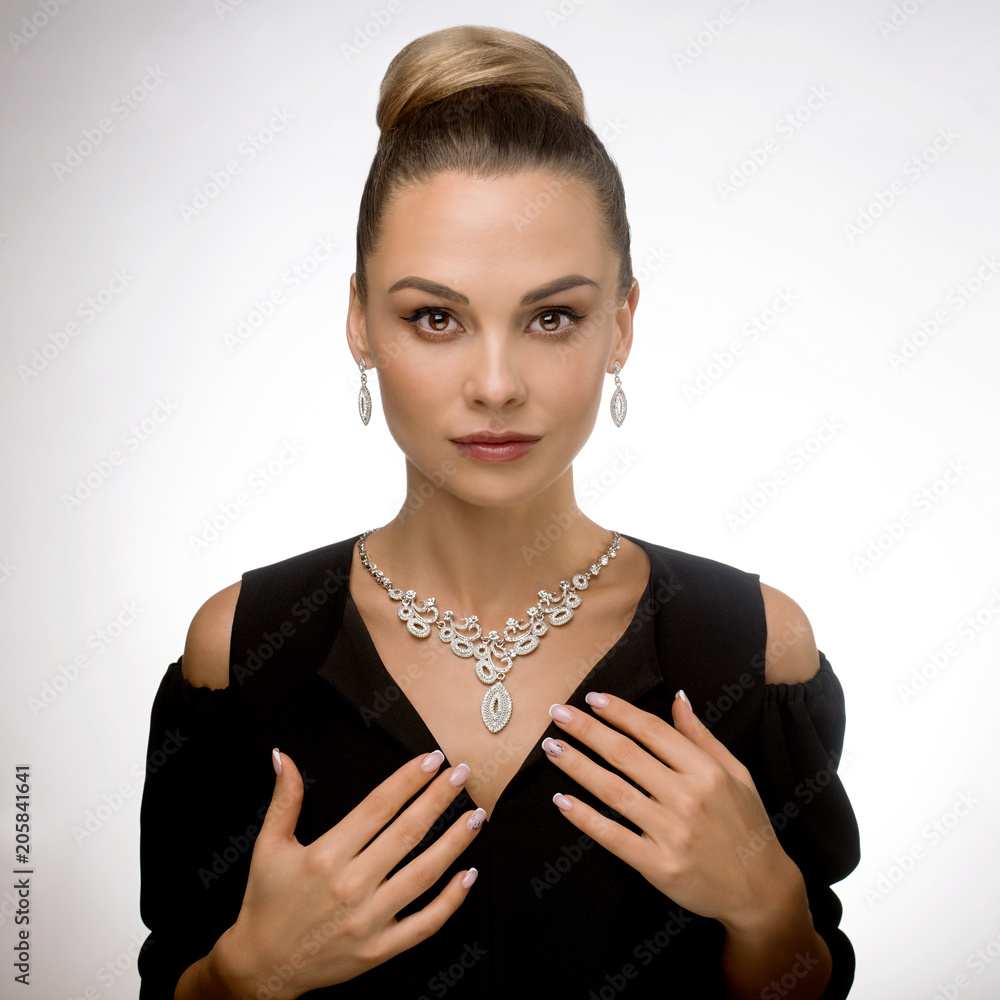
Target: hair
<point x="489" y="103"/>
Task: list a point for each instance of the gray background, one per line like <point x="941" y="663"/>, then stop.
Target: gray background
<point x="204" y="79"/>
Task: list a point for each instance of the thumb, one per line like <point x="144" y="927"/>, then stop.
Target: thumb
<point x="286" y="800"/>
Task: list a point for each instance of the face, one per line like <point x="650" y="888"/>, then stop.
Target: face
<point x="491" y="309"/>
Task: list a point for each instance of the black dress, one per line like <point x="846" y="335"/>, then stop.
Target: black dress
<point x="551" y="913"/>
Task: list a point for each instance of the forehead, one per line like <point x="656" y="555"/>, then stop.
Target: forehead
<point x="514" y="223"/>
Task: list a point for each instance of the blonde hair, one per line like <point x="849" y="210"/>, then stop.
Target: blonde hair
<point x="486" y="102"/>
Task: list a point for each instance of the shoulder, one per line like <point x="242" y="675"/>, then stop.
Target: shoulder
<point x="206" y="650"/>
<point x="791" y="655"/>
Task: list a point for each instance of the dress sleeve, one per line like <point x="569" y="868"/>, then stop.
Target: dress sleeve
<point x="189" y="831"/>
<point x="800" y="741"/>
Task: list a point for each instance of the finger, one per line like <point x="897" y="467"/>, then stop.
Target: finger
<point x="349" y="837"/>
<point x="286" y="800"/>
<point x="424" y="870"/>
<point x="687" y="723"/>
<point x="625" y="844"/>
<point x="612" y="790"/>
<point x="665" y="743"/>
<point x="408" y="830"/>
<point x="619" y="749"/>
<point x="417" y="927"/>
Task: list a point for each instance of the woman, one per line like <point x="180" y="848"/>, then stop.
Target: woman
<point x="543" y="813"/>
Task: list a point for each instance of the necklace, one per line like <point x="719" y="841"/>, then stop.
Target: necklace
<point x="420" y="615"/>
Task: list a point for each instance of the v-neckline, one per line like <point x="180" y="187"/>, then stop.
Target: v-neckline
<point x="405" y="724"/>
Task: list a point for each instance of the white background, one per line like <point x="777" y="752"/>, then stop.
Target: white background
<point x="708" y="259"/>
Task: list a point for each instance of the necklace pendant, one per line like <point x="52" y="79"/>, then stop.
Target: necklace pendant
<point x="497" y="707"/>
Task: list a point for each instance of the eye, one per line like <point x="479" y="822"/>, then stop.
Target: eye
<point x="436" y="318"/>
<point x="550" y="321"/>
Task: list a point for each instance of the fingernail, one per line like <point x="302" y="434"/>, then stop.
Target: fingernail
<point x="475" y="821"/>
<point x="432" y="761"/>
<point x="560" y="800"/>
<point x="276" y="761"/>
<point x="552" y="747"/>
<point x="561" y="713"/>
<point x="596" y="699"/>
<point x="683" y="697"/>
<point x="470" y="877"/>
<point x="459" y="775"/>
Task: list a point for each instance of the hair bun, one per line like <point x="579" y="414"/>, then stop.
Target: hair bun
<point x="445" y="62"/>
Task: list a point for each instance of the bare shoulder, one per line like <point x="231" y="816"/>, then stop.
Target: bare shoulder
<point x="791" y="655"/>
<point x="206" y="649"/>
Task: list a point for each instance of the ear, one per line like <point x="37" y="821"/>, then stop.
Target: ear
<point x="623" y="327"/>
<point x="357" y="328"/>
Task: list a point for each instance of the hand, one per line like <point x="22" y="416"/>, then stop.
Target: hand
<point x="706" y="840"/>
<point x="321" y="914"/>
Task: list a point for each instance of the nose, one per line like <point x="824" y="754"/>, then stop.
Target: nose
<point x="493" y="378"/>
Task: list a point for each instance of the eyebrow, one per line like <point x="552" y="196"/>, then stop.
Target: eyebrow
<point x="535" y="295"/>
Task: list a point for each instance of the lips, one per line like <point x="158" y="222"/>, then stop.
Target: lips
<point x="494" y="437"/>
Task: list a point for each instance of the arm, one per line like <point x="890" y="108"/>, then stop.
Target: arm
<point x="780" y="953"/>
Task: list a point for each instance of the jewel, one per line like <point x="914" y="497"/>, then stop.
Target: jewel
<point x="618" y="407"/>
<point x="420" y="615"/>
<point x="365" y="404"/>
<point x="496" y="707"/>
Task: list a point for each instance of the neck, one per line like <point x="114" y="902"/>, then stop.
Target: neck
<point x="488" y="561"/>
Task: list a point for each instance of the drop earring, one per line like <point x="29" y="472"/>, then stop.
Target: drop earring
<point x="618" y="402"/>
<point x="364" y="397"/>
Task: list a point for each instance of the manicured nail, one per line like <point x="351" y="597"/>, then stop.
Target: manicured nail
<point x="470" y="877"/>
<point x="276" y="761"/>
<point x="560" y="800"/>
<point x="683" y="697"/>
<point x="459" y="775"/>
<point x="561" y="713"/>
<point x="475" y="821"/>
<point x="552" y="747"/>
<point x="596" y="699"/>
<point x="432" y="761"/>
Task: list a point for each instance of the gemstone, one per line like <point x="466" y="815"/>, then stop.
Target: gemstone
<point x="496" y="707"/>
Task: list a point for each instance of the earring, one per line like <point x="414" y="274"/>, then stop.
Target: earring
<point x="364" y="397"/>
<point x="618" y="402"/>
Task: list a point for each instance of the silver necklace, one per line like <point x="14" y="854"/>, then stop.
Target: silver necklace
<point x="420" y="615"/>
